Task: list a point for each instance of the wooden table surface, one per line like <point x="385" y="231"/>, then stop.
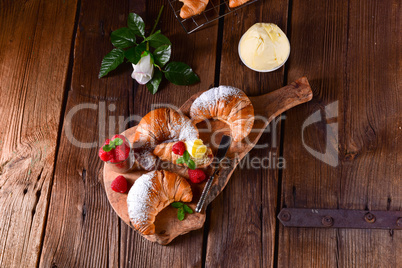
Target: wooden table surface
<point x="53" y="208"/>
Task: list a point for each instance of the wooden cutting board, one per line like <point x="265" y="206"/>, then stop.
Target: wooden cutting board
<point x="167" y="225"/>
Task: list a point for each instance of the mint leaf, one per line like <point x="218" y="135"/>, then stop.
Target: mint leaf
<point x="180" y="214"/>
<point x="157" y="39"/>
<point x="188" y="209"/>
<point x="112" y="145"/>
<point x="186" y="156"/>
<point x="123" y="37"/>
<point x="177" y="204"/>
<point x="134" y="54"/>
<point x="180" y="161"/>
<point x="191" y="164"/>
<point x="162" y="55"/>
<point x="181" y="209"/>
<point x="180" y="73"/>
<point x="136" y="24"/>
<point x="117" y="141"/>
<point x="107" y="148"/>
<point x="110" y="62"/>
<point x="153" y="85"/>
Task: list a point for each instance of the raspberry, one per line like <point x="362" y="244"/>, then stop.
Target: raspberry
<point x="121" y="152"/>
<point x="179" y="148"/>
<point x="196" y="175"/>
<point x="119" y="184"/>
<point x="118" y="153"/>
<point x="105" y="156"/>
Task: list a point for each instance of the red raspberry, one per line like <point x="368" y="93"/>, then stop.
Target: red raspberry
<point x="179" y="148"/>
<point x="119" y="184"/>
<point x="196" y="175"/>
<point x="121" y="152"/>
<point x="105" y="156"/>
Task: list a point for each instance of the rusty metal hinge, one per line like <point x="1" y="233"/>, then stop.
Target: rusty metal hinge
<point x="340" y="218"/>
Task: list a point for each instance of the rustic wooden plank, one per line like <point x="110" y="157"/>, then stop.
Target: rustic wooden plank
<point x="199" y="51"/>
<point x="35" y="47"/>
<point x="350" y="53"/>
<point x="82" y="228"/>
<point x="242" y="225"/>
<point x="321" y="59"/>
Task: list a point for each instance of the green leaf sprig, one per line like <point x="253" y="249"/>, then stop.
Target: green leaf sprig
<point x="182" y="209"/>
<point x="185" y="159"/>
<point x="112" y="144"/>
<point x="132" y="44"/>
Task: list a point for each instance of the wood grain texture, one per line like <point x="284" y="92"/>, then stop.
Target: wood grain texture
<point x="82" y="229"/>
<point x="350" y="57"/>
<point x="349" y="50"/>
<point x="35" y="46"/>
<point x="199" y="51"/>
<point x="242" y="223"/>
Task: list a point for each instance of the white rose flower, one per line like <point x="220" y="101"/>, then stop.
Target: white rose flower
<point x="143" y="70"/>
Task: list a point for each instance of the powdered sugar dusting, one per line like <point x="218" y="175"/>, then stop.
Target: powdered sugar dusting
<point x="211" y="96"/>
<point x="138" y="199"/>
<point x="184" y="131"/>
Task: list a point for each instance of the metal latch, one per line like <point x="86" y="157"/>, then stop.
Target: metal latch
<point x="340" y="218"/>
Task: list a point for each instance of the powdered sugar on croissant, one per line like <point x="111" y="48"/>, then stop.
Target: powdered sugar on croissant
<point x="228" y="104"/>
<point x="159" y="126"/>
<point x="151" y="193"/>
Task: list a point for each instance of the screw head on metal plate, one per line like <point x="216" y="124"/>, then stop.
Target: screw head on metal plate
<point x="327" y="221"/>
<point x="369" y="217"/>
<point x="285" y="216"/>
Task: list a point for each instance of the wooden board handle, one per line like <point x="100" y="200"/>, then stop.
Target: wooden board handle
<point x="273" y="104"/>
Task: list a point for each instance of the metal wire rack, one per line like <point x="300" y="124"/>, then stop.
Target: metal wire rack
<point x="215" y="9"/>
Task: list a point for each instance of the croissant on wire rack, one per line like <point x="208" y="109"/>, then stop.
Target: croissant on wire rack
<point x="164" y="152"/>
<point x="227" y="104"/>
<point x="192" y="7"/>
<point x="236" y="3"/>
<point x="151" y="193"/>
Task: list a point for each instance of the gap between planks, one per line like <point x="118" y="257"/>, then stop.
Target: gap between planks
<point x="281" y="144"/>
<point x="216" y="84"/>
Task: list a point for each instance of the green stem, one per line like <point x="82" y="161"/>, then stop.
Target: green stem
<point x="157" y="20"/>
<point x="147" y="45"/>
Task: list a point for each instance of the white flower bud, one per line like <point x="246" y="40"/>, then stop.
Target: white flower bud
<point x="143" y="70"/>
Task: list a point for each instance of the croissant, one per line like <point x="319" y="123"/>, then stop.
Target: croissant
<point x="151" y="193"/>
<point x="164" y="151"/>
<point x="156" y="127"/>
<point x="192" y="7"/>
<point x="236" y="3"/>
<point x="227" y="104"/>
